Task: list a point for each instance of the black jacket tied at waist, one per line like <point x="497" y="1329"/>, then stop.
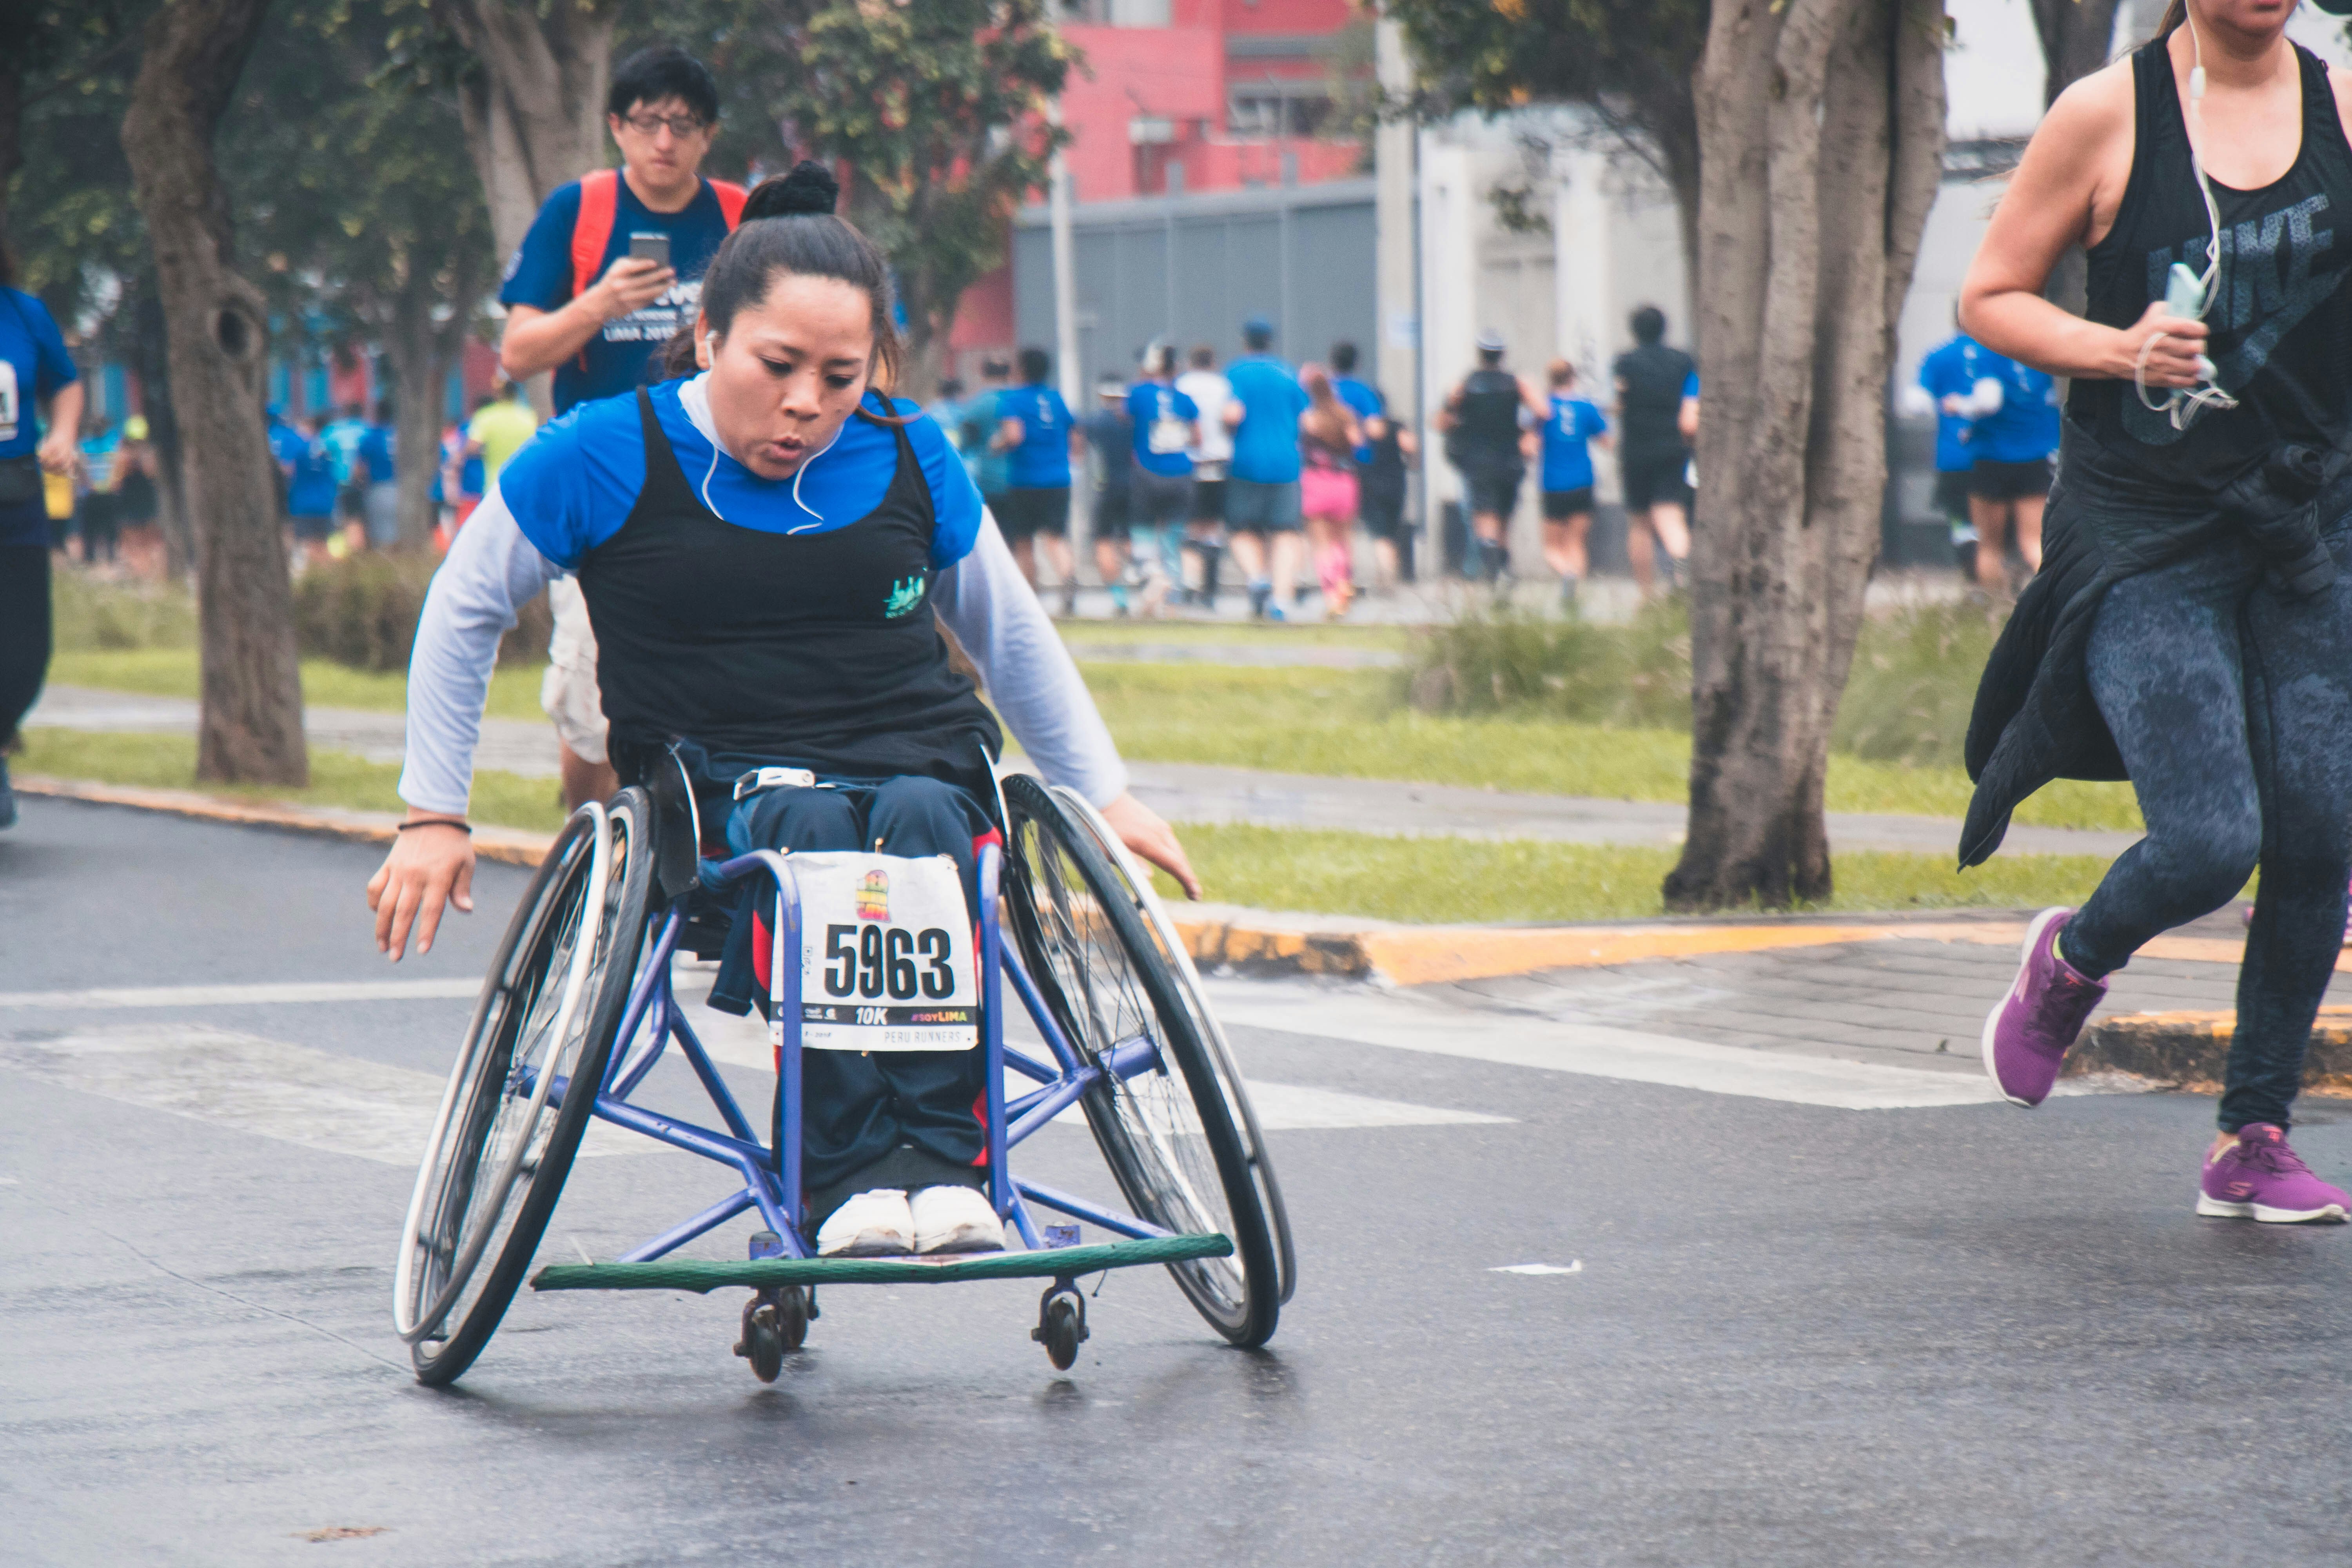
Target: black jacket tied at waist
<point x="2035" y="718"/>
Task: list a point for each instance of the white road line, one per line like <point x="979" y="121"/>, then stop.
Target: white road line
<point x="1575" y="1266"/>
<point x="1408" y="1024"/>
<point x="245" y="995"/>
<point x="345" y="1105"/>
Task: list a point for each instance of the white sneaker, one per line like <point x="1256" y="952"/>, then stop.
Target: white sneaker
<point x="872" y="1224"/>
<point x="956" y="1219"/>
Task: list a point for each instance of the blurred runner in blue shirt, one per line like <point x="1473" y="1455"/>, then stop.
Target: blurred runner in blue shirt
<point x="1949" y="372"/>
<point x="2014" y="410"/>
<point x="1570" y="427"/>
<point x="1034" y="432"/>
<point x="38" y="377"/>
<point x="1261" y="496"/>
<point x="373" y="470"/>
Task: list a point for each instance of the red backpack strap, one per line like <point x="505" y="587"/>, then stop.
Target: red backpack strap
<point x="731" y="200"/>
<point x="592" y="231"/>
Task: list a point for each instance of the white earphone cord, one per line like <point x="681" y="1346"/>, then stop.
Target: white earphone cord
<point x="2181" y="406"/>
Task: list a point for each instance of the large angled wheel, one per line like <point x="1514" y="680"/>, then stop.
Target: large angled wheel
<point x="1168" y="1133"/>
<point x="510" y="1120"/>
<point x="1136" y="886"/>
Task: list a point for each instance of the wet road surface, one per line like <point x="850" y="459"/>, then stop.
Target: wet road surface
<point x="1775" y="1331"/>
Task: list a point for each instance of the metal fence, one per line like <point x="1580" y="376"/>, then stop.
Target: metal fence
<point x="1191" y="268"/>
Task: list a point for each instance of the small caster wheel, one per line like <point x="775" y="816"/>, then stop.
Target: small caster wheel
<point x="1061" y="1326"/>
<point x="763" y="1343"/>
<point x="793" y="1311"/>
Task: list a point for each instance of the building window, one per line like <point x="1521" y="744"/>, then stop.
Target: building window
<point x="1277" y="109"/>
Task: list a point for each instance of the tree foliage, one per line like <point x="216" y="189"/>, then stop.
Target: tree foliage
<point x="1631" y="66"/>
<point x="933" y="111"/>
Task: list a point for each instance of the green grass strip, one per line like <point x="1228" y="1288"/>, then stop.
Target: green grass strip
<point x="1447" y="882"/>
<point x="702" y="1275"/>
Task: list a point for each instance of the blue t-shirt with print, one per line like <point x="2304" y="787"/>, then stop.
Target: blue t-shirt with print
<point x="311" y="490"/>
<point x="1041" y="460"/>
<point x="376" y="455"/>
<point x="1265" y="444"/>
<point x="574" y="485"/>
<point x="1365" y="399"/>
<point x="33" y="366"/>
<point x="342" y="438"/>
<point x="1164" y="419"/>
<point x="1949" y="370"/>
<point x="1567" y="458"/>
<point x="2024" y="428"/>
<point x="539" y="275"/>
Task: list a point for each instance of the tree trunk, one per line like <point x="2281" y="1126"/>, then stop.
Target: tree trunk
<point x="2076" y="36"/>
<point x="1821" y="135"/>
<point x="250" y="729"/>
<point x="150" y="357"/>
<point x="534" y="117"/>
<point x="422" y="353"/>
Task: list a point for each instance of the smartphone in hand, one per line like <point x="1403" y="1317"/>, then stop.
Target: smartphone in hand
<point x="653" y="247"/>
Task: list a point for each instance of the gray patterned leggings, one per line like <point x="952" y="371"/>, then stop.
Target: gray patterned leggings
<point x="2232" y="708"/>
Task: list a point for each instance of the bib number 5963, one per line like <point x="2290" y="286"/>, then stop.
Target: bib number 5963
<point x="887" y="961"/>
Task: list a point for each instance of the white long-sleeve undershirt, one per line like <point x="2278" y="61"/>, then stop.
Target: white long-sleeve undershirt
<point x="493" y="570"/>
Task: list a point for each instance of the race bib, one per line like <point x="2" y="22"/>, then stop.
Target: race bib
<point x="887" y="956"/>
<point x="1170" y="436"/>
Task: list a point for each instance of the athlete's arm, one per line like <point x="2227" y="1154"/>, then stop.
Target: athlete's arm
<point x="537" y="340"/>
<point x="491" y="571"/>
<point x="2066" y="191"/>
<point x="60" y="447"/>
<point x="1031" y="680"/>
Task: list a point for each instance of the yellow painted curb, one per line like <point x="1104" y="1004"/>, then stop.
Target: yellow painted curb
<point x="510" y="846"/>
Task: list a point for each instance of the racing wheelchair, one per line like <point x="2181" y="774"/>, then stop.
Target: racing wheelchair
<point x="578" y="1008"/>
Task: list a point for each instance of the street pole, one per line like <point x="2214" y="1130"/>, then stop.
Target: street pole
<point x="1066" y="324"/>
<point x="1397" y="240"/>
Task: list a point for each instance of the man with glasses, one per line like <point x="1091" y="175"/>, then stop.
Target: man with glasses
<point x="612" y="267"/>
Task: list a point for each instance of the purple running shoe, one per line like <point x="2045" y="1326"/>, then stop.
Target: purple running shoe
<point x="2027" y="1035"/>
<point x="2259" y="1177"/>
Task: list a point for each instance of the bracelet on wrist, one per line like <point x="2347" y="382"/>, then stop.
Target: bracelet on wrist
<point x="465" y="828"/>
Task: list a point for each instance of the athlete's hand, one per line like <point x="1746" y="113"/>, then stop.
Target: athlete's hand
<point x="2171" y="360"/>
<point x="1141" y="830"/>
<point x="428" y="868"/>
<point x="58" y="453"/>
<point x="629" y="285"/>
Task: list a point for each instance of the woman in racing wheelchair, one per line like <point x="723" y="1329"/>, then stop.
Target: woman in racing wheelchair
<point x="767" y="546"/>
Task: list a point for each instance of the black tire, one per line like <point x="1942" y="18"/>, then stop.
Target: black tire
<point x="1228" y="1077"/>
<point x="1169" y="1135"/>
<point x="489" y="1183"/>
<point x="1061" y="1333"/>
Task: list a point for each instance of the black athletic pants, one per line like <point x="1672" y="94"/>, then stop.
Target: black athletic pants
<point x="2232" y="708"/>
<point x="24" y="631"/>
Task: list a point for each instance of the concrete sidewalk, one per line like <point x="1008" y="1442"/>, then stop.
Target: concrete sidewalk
<point x="1182" y="792"/>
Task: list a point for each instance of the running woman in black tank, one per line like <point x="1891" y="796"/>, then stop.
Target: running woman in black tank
<point x="771" y="552"/>
<point x="2189" y="630"/>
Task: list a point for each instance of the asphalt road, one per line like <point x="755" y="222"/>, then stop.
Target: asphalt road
<point x="1778" y="1330"/>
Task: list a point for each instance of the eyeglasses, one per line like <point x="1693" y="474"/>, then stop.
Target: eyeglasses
<point x="680" y="125"/>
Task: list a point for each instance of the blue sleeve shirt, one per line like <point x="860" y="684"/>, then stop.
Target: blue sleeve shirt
<point x="1947" y="371"/>
<point x="2024" y="429"/>
<point x="1265" y="444"/>
<point x="34" y="364"/>
<point x="1164" y="418"/>
<point x="375" y="454"/>
<point x="539" y="274"/>
<point x="575" y="484"/>
<point x="1365" y="399"/>
<point x="311" y="492"/>
<point x="1041" y="460"/>
<point x="1567" y="458"/>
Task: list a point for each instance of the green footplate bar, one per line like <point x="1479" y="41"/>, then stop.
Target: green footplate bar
<point x="702" y="1275"/>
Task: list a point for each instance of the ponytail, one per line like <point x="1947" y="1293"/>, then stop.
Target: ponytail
<point x="2176" y="12"/>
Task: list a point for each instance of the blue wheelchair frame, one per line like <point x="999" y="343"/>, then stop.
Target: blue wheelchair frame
<point x="772" y="1177"/>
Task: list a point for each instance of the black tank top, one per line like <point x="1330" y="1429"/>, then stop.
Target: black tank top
<point x="817" y="650"/>
<point x="2281" y="324"/>
<point x="1487" y="425"/>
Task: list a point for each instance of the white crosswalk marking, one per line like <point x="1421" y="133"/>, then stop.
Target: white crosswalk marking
<point x="345" y="1105"/>
<point x="1360" y="1016"/>
<point x="147" y="996"/>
